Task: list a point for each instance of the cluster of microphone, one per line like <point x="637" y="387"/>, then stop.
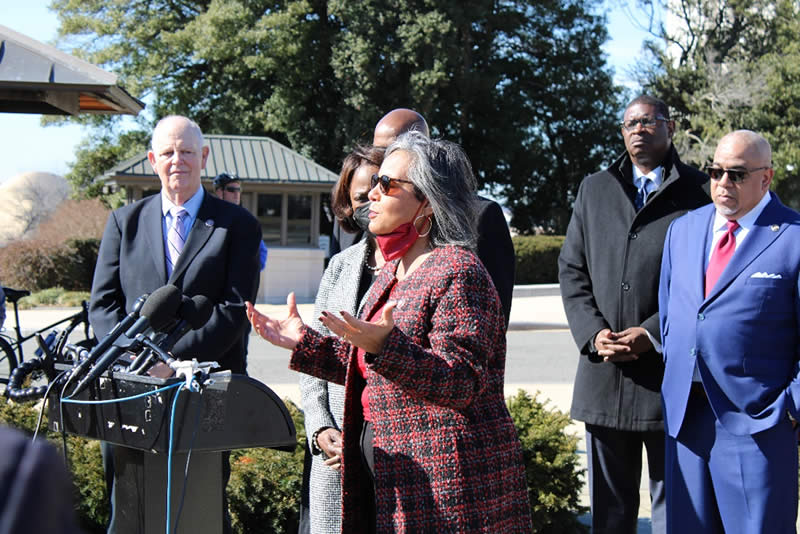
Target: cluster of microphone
<point x="156" y="323"/>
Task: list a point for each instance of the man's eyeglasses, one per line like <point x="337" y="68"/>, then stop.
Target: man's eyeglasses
<point x="648" y="123"/>
<point x="734" y="175"/>
<point x="233" y="189"/>
<point x="385" y="182"/>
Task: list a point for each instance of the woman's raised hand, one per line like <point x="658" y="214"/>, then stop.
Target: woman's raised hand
<point x="365" y="335"/>
<point x="284" y="333"/>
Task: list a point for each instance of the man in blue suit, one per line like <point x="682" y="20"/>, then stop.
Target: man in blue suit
<point x="730" y="326"/>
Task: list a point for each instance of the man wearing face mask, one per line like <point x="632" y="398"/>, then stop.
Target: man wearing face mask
<point x="344" y="284"/>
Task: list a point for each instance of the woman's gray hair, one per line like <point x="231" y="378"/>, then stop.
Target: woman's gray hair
<point x="442" y="174"/>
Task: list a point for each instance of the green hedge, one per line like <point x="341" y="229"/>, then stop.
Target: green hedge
<point x="537" y="258"/>
<point x="264" y="488"/>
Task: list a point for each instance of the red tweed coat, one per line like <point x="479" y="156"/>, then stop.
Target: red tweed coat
<point x="447" y="456"/>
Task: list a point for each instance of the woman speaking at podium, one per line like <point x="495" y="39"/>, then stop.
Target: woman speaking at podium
<point x="428" y="443"/>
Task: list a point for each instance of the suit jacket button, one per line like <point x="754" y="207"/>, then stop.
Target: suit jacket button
<point x="633" y="235"/>
<point x="701" y="317"/>
<point x="625" y="286"/>
<point x="693" y="352"/>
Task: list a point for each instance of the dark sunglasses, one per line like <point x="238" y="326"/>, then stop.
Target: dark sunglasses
<point x="385" y="182"/>
<point x="734" y="175"/>
<point x="233" y="189"/>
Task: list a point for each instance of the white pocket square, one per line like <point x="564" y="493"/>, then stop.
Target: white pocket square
<point x="766" y="275"/>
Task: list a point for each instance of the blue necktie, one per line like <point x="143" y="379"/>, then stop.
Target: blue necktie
<point x="641" y="194"/>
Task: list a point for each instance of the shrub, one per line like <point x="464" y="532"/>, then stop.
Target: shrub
<point x="76" y="265"/>
<point x="551" y="465"/>
<point x="537" y="258"/>
<point x="265" y="485"/>
<point x="26" y="265"/>
<point x="35" y="265"/>
<point x="62" y="251"/>
<point x="54" y="296"/>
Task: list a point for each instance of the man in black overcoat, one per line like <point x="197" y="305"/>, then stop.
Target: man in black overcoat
<point x="608" y="271"/>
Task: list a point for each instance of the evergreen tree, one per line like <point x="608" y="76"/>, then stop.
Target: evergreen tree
<point x="523" y="86"/>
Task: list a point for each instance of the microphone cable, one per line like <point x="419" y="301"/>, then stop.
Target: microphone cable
<point x="39" y="419"/>
<point x="68" y="400"/>
<point x="179" y="386"/>
<point x="188" y="456"/>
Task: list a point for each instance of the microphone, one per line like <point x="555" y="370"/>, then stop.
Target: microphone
<point x="157" y="312"/>
<point x="109" y="338"/>
<point x="187" y="310"/>
<point x="194" y="313"/>
<point x="161" y="312"/>
<point x="154" y="348"/>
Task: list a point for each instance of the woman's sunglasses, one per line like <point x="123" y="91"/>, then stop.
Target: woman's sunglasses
<point x="385" y="182"/>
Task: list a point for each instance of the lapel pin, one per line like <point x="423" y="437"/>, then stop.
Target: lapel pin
<point x="774" y="227"/>
<point x="210" y="223"/>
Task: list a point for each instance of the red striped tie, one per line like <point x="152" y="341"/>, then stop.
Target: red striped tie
<point x="721" y="256"/>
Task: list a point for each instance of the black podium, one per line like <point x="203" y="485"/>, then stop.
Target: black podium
<point x="231" y="412"/>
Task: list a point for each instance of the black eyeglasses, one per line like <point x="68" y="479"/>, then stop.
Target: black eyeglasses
<point x="233" y="189"/>
<point x="385" y="182"/>
<point x="734" y="175"/>
<point x="648" y="123"/>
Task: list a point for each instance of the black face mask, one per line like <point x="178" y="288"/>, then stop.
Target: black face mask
<point x="361" y="217"/>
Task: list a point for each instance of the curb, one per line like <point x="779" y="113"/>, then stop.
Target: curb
<point x="536" y="290"/>
<point x="527" y="325"/>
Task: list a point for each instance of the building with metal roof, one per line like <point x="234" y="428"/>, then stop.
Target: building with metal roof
<point x="284" y="190"/>
<point x="39" y="78"/>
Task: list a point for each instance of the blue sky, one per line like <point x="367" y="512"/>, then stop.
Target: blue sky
<point x="27" y="146"/>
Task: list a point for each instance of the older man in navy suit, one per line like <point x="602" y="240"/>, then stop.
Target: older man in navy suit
<point x="185" y="237"/>
<point x="218" y="255"/>
<point x="730" y="325"/>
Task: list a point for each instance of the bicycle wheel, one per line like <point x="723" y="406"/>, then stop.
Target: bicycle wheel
<point x="8" y="361"/>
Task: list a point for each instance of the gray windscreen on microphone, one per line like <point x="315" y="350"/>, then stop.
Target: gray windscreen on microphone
<point x="161" y="307"/>
<point x="196" y="311"/>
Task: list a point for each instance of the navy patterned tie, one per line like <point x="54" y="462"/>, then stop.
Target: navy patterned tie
<point x="641" y="194"/>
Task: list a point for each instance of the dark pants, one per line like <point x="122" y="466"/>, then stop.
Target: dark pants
<point x="367" y="454"/>
<point x="615" y="472"/>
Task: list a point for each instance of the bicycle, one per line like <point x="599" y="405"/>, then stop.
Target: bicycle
<point x="11" y="349"/>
